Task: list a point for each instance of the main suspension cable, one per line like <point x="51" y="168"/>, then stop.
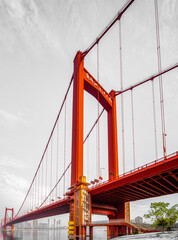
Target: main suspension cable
<point x="55" y="185"/>
<point x="146" y="80"/>
<point x="93" y="126"/>
<point x="116" y="18"/>
<point x="47" y="143"/>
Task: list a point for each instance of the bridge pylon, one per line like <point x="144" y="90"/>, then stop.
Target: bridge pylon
<point x="5" y="218"/>
<point x="81" y="206"/>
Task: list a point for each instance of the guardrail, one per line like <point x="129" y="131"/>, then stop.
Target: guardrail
<point x="163" y="159"/>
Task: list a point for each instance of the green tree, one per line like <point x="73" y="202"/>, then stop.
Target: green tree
<point x="161" y="215"/>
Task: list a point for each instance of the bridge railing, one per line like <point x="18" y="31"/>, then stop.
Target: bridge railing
<point x="145" y="166"/>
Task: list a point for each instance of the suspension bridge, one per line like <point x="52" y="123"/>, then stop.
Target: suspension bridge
<point x="60" y="186"/>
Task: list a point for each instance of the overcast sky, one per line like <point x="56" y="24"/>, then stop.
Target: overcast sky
<point x="38" y="42"/>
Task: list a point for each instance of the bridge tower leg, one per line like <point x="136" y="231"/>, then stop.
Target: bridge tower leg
<point x="12" y="227"/>
<point x="77" y="120"/>
<point x="113" y="169"/>
<point x="112" y="140"/>
<point x="2" y="221"/>
<point x="5" y="218"/>
<point x="80" y="207"/>
<point x="124" y="216"/>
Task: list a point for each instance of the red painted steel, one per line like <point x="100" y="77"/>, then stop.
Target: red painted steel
<point x="59" y="207"/>
<point x="151" y="78"/>
<point x="83" y="80"/>
<point x="45" y="151"/>
<point x="103" y="212"/>
<point x="97" y="91"/>
<point x="143" y="182"/>
<point x="112" y="140"/>
<point x="116" y="18"/>
<point x="154" y="179"/>
<point x="77" y="120"/>
<point x="5" y="219"/>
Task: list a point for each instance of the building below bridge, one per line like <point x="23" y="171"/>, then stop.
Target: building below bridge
<point x="139" y="220"/>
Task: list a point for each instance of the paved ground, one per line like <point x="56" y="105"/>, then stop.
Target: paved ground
<point x="151" y="236"/>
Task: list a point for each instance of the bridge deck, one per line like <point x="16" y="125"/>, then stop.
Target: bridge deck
<point x="57" y="208"/>
<point x="151" y="180"/>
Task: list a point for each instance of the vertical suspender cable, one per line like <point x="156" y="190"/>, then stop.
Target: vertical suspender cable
<point x="154" y="118"/>
<point x="35" y="192"/>
<point x="122" y="100"/>
<point x="98" y="125"/>
<point x="46" y="174"/>
<point x="33" y="205"/>
<point x="88" y="165"/>
<point x="30" y="200"/>
<point x="38" y="186"/>
<point x="30" y="195"/>
<point x="160" y="77"/>
<point x="42" y="180"/>
<point x="51" y="167"/>
<point x="47" y="145"/>
<point x="64" y="145"/>
<point x="57" y="170"/>
<point x="133" y="131"/>
<point x="28" y="204"/>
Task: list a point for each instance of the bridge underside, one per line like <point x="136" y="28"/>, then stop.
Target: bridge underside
<point x="57" y="208"/>
<point x="150" y="181"/>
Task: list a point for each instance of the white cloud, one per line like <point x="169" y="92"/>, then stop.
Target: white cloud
<point x="8" y="179"/>
<point x="13" y="186"/>
<point x="10" y="162"/>
<point x="12" y="119"/>
<point x="27" y="26"/>
<point x="12" y="182"/>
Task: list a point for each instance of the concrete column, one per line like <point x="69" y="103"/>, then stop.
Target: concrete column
<point x="91" y="231"/>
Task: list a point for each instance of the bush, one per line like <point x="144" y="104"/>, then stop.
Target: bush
<point x="136" y="231"/>
<point x="169" y="228"/>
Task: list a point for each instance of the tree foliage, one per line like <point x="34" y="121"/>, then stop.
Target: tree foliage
<point x="162" y="215"/>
